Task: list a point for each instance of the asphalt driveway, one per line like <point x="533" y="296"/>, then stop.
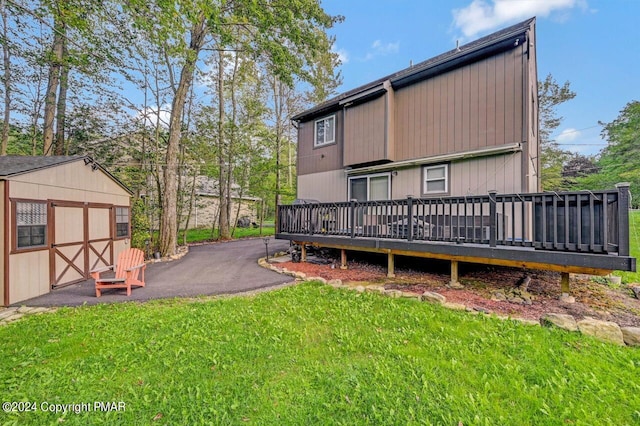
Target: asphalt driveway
<point x="221" y="268"/>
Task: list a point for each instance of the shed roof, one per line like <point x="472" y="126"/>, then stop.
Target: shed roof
<point x="489" y="45"/>
<point x="12" y="165"/>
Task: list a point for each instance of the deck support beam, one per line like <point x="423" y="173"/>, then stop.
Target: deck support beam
<point x="390" y="265"/>
<point x="565" y="289"/>
<point x="454" y="275"/>
<point x="303" y="253"/>
<point x="343" y="259"/>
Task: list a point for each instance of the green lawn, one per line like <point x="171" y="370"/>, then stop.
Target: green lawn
<point x="634" y="246"/>
<point x="311" y="354"/>
<point x="204" y="234"/>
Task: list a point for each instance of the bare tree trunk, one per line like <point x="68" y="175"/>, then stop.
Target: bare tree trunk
<point x="6" y="56"/>
<point x="191" y="203"/>
<point x="59" y="33"/>
<point x="223" y="183"/>
<point x="62" y="104"/>
<point x="169" y="222"/>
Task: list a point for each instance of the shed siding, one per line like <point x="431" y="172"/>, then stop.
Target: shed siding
<point x="29" y="272"/>
<point x="2" y="237"/>
<point x="321" y="159"/>
<point x="328" y="186"/>
<point x="28" y="275"/>
<point x="365" y="132"/>
<point x="69" y="182"/>
<point x="473" y="107"/>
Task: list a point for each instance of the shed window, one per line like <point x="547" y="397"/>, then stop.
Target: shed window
<point x="436" y="179"/>
<point x="325" y="131"/>
<point x="122" y="222"/>
<point x="31" y="222"/>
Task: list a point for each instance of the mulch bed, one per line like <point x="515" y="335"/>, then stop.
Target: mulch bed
<point x="594" y="297"/>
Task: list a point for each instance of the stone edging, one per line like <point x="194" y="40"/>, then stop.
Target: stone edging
<point x="605" y="331"/>
<point x="8" y="315"/>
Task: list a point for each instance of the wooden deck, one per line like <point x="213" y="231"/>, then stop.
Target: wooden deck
<point x="581" y="232"/>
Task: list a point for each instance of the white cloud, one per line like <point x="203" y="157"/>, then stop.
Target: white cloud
<point x="151" y="115"/>
<point x="485" y="15"/>
<point x="343" y="55"/>
<point x="378" y="48"/>
<point x="385" y="48"/>
<point x="568" y="135"/>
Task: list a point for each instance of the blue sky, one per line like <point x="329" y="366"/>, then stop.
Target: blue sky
<point x="591" y="43"/>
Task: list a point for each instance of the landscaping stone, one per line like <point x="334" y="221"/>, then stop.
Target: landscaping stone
<point x="606" y="331"/>
<point x="375" y="289"/>
<point x="337" y="283"/>
<point x="565" y="298"/>
<point x="13" y="317"/>
<point x="410" y="295"/>
<point x="526" y="321"/>
<point x="300" y="275"/>
<point x="455" y="286"/>
<point x="636" y="291"/>
<point x="454" y="306"/>
<point x="5" y="313"/>
<point x="429" y="296"/>
<point x="631" y="335"/>
<point x="25" y="309"/>
<point x="39" y="310"/>
<point x="564" y="321"/>
<point x="322" y="280"/>
<point x="393" y="293"/>
<point x="360" y="289"/>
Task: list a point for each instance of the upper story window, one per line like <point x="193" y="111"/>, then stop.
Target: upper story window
<point x="436" y="179"/>
<point x="325" y="131"/>
<point x="122" y="222"/>
<point x="31" y="224"/>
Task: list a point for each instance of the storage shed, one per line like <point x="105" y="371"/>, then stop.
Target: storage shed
<point x="62" y="216"/>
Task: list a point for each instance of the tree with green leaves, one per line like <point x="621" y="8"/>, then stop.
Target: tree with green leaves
<point x="550" y="95"/>
<point x="286" y="34"/>
<point x="619" y="161"/>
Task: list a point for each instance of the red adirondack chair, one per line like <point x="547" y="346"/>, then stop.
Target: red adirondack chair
<point x="129" y="272"/>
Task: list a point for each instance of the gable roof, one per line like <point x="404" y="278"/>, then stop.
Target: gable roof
<point x="492" y="44"/>
<point x="13" y="165"/>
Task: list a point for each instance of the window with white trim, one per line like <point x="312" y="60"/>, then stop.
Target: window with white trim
<point x="436" y="179"/>
<point x="31" y="224"/>
<point x="122" y="222"/>
<point x="325" y="131"/>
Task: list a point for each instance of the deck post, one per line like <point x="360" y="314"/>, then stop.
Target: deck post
<point x="409" y="217"/>
<point x="454" y="275"/>
<point x="343" y="259"/>
<point x="352" y="216"/>
<point x="303" y="253"/>
<point x="623" y="218"/>
<point x="390" y="265"/>
<point x="493" y="218"/>
<point x="565" y="290"/>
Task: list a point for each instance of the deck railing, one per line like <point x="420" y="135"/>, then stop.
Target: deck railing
<point x="584" y="221"/>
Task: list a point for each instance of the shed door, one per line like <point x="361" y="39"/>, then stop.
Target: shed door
<point x="81" y="240"/>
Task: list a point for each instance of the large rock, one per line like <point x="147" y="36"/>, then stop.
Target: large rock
<point x="631" y="335"/>
<point x="337" y="283"/>
<point x="429" y="296"/>
<point x="393" y="293"/>
<point x="564" y="321"/>
<point x="606" y="331"/>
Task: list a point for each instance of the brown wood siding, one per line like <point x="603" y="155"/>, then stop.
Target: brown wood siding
<point x="4" y="246"/>
<point x="321" y="159"/>
<point x="473" y="107"/>
<point x="325" y="187"/>
<point x="364" y="132"/>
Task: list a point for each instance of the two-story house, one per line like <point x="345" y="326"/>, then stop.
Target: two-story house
<point x="461" y="123"/>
